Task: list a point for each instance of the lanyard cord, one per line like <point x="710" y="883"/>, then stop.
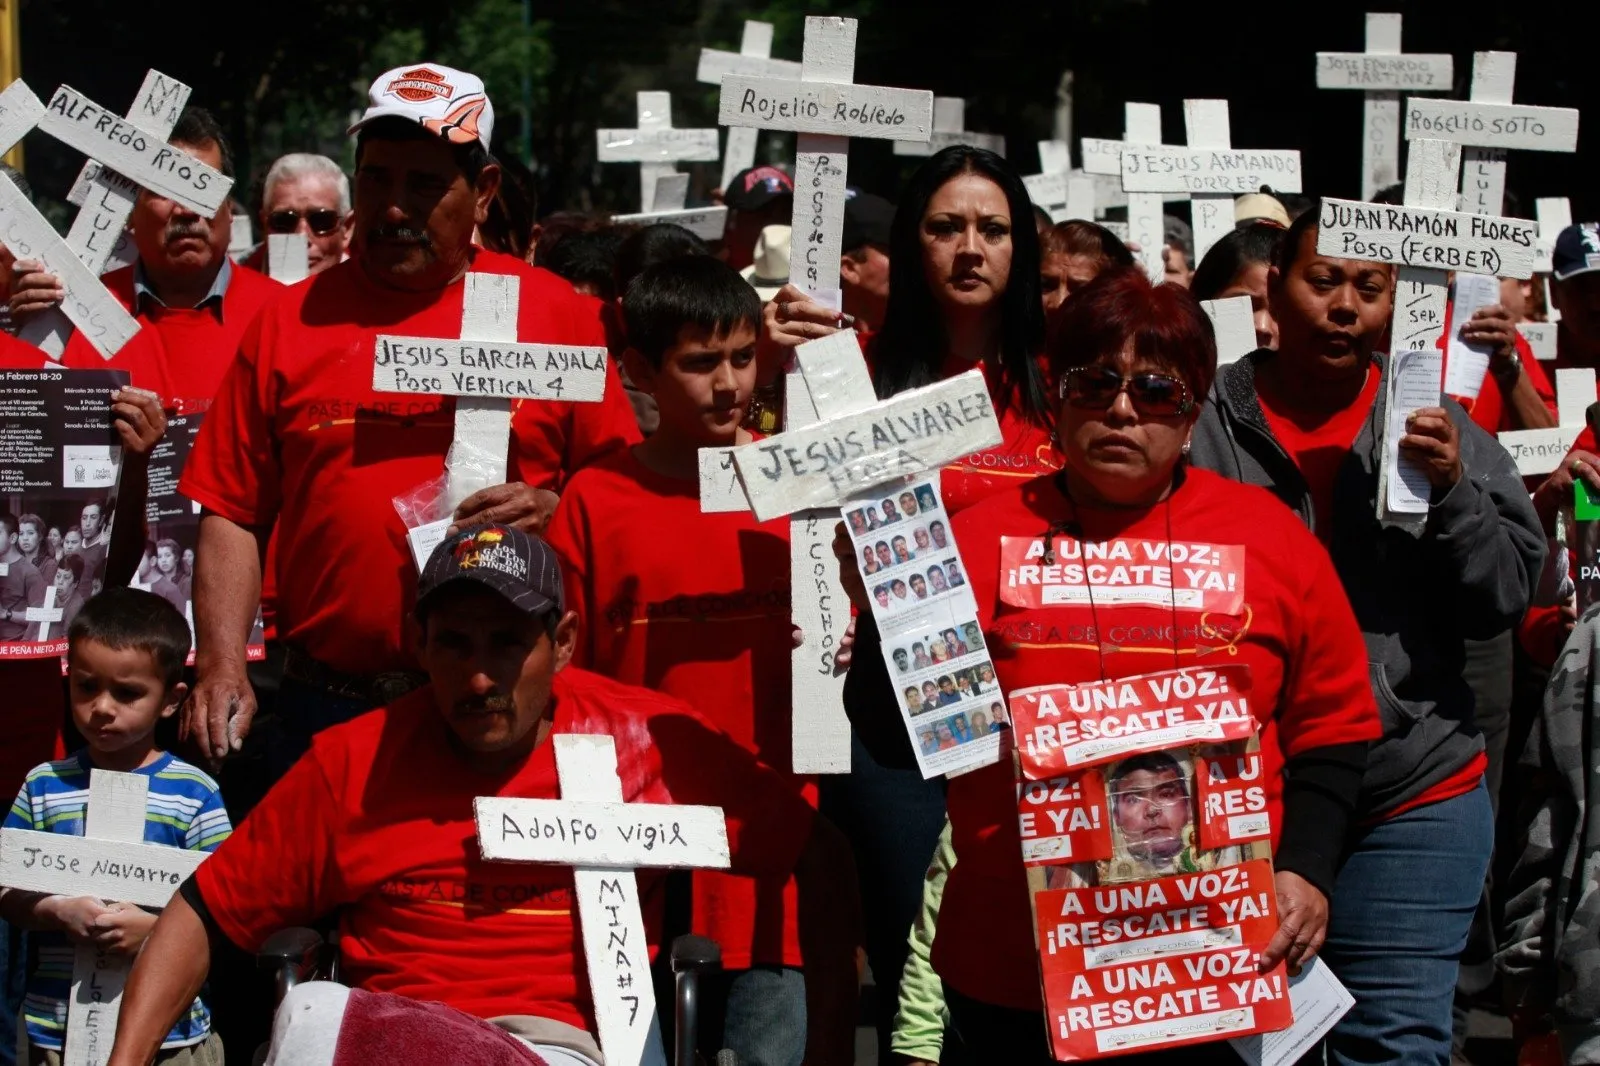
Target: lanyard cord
<point x="1073" y="528"/>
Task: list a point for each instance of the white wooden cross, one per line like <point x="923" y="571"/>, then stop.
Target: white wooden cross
<point x="29" y="235"/>
<point x="950" y="128"/>
<point x="1426" y="238"/>
<point x="754" y="59"/>
<point x="1063" y="193"/>
<point x="487" y="368"/>
<point x="46" y="614"/>
<point x="109" y="862"/>
<point x="1488" y="125"/>
<point x="656" y="145"/>
<point x="1382" y="72"/>
<point x="604" y="839"/>
<point x="1210" y="170"/>
<point x="1554" y="214"/>
<point x="1233" y="321"/>
<point x="288" y="257"/>
<point x="1540" y="451"/>
<point x="1146" y="225"/>
<point x="826" y="108"/>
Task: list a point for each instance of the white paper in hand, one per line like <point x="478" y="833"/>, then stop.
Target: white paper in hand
<point x="1466" y="364"/>
<point x="1413" y="384"/>
<point x="1319" y="1001"/>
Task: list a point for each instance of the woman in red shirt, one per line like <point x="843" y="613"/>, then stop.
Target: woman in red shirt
<point x="1133" y="364"/>
<point x="1307" y="423"/>
<point x="964" y="293"/>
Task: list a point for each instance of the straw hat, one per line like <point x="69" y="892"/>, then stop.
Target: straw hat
<point x="769" y="272"/>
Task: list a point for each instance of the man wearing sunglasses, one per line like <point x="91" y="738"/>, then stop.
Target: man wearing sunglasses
<point x="306" y="194"/>
<point x="191" y="300"/>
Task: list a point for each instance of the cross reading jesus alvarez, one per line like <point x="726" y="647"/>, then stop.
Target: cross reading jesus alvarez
<point x="109" y="862"/>
<point x="1425" y="238"/>
<point x="826" y="109"/>
<point x="108" y="199"/>
<point x="1382" y="72"/>
<point x="604" y="840"/>
<point x="656" y="145"/>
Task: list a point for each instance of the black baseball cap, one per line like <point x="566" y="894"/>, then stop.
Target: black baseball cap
<point x="1577" y="251"/>
<point x="755" y="188"/>
<point x="867" y="219"/>
<point x="517" y="565"/>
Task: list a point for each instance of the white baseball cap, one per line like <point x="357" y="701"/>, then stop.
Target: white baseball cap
<point x="443" y="100"/>
<point x="770" y="270"/>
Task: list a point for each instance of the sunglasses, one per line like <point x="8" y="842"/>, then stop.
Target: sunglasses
<point x="1153" y="395"/>
<point x="322" y="220"/>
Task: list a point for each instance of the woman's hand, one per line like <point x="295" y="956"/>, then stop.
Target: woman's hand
<point x="1431" y="442"/>
<point x="789" y="320"/>
<point x="1302" y="923"/>
<point x="1492" y="328"/>
<point x="849" y="576"/>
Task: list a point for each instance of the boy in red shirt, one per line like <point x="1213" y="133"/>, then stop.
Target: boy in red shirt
<point x="376" y="822"/>
<point x="697" y="605"/>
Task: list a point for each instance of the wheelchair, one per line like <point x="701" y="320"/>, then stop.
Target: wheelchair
<point x="298" y="955"/>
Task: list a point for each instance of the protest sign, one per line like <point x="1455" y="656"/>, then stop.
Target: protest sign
<point x="938" y="660"/>
<point x="1122" y="571"/>
<point x="1152" y="903"/>
<point x="59" y="461"/>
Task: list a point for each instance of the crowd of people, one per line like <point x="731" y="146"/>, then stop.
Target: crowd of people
<point x="1399" y="668"/>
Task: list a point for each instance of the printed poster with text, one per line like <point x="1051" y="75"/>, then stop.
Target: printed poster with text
<point x="938" y="662"/>
<point x="173" y="529"/>
<point x="59" y="460"/>
<point x="1146" y="835"/>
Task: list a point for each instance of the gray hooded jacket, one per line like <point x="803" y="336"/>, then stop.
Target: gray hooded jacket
<point x="1551" y="957"/>
<point x="1465" y="571"/>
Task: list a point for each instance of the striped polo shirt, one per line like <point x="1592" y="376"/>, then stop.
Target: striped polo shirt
<point x="184" y="810"/>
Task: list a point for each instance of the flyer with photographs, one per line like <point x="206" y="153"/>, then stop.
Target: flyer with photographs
<point x="1145" y="833"/>
<point x="172" y="526"/>
<point x="934" y="647"/>
<point x="59" y="458"/>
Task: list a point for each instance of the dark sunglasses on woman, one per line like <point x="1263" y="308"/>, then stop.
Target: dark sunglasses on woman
<point x="1153" y="394"/>
<point x="322" y="220"/>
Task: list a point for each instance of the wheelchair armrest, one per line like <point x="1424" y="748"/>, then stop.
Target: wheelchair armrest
<point x="695" y="954"/>
<point x="295" y="946"/>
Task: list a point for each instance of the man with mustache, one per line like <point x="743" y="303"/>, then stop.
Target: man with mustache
<point x="422" y="917"/>
<point x="298" y="437"/>
<point x="193" y="302"/>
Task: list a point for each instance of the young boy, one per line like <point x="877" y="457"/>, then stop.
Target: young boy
<point x="697" y="605"/>
<point x="126" y="650"/>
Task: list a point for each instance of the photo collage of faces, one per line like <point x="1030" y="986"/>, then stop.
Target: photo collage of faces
<point x="934" y="647"/>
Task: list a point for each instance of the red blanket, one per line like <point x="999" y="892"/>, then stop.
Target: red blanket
<point x="383" y="1030"/>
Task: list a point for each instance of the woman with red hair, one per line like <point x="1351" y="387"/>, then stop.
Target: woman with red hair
<point x="1133" y="365"/>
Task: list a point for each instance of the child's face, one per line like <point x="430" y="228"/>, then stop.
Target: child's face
<point x="704" y="384"/>
<point x="118" y="695"/>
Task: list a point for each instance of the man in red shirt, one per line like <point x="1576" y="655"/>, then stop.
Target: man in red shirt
<point x="298" y="436"/>
<point x="377" y="822"/>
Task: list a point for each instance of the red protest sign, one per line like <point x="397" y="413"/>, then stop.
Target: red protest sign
<point x="1064" y="820"/>
<point x="1068" y="727"/>
<point x="1233" y="798"/>
<point x="1164" y="963"/>
<point x="1123" y="571"/>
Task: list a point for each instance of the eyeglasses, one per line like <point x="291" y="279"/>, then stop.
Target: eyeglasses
<point x="1152" y="394"/>
<point x="322" y="220"/>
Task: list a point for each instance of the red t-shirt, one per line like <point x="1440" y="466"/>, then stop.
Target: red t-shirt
<point x="180" y="353"/>
<point x="298" y="435"/>
<point x="1490" y="410"/>
<point x="33" y="711"/>
<point x="377" y="822"/>
<point x="1318" y="448"/>
<point x="696" y="606"/>
<point x="1295" y="631"/>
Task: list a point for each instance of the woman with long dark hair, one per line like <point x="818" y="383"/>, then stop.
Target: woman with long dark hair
<point x="963" y="293"/>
